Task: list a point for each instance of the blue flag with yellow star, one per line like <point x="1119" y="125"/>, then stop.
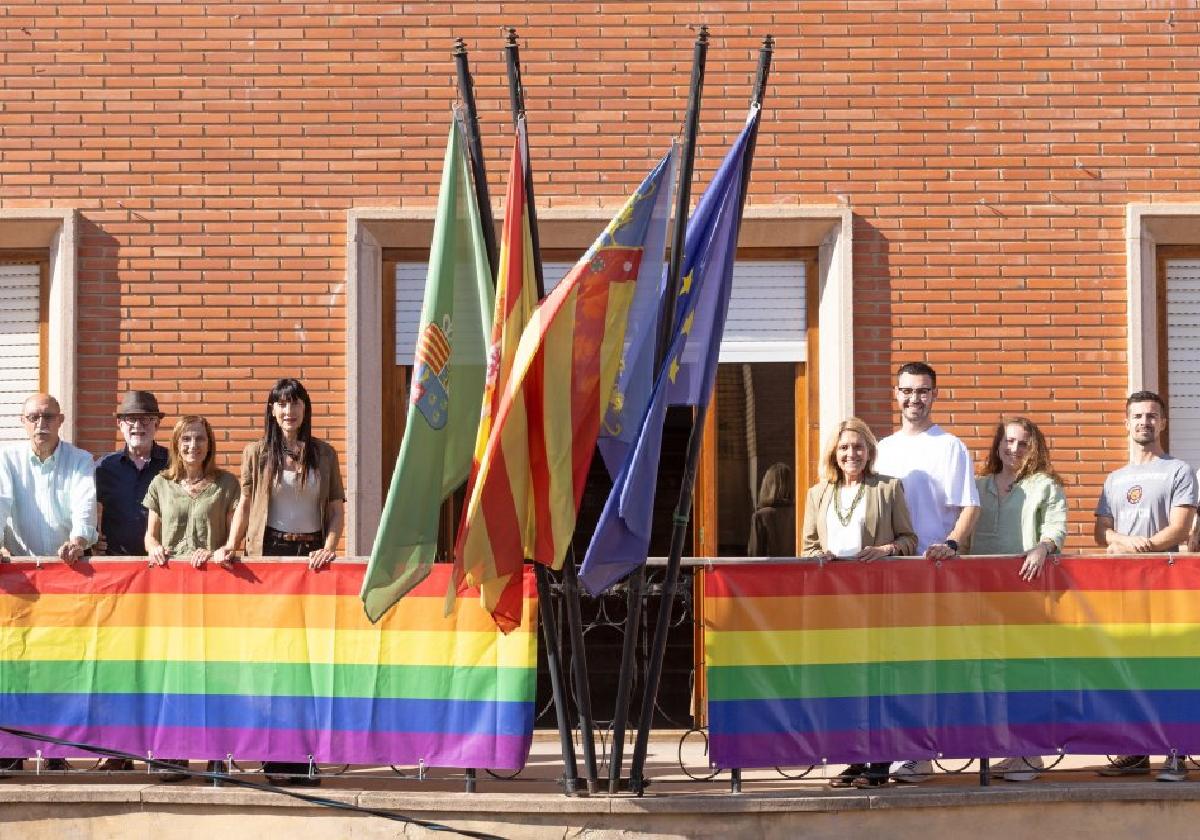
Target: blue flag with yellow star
<point x="622" y="537"/>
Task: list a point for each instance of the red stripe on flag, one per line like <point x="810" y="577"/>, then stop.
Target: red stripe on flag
<point x="536" y="400"/>
<point x="586" y="410"/>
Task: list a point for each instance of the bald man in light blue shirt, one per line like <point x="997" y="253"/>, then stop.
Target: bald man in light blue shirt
<point x="47" y="489"/>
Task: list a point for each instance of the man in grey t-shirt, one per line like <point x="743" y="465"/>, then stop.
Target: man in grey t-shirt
<point x="1147" y="505"/>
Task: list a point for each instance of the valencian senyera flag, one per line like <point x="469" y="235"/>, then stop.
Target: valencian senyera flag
<point x="516" y="298"/>
<point x="448" y="379"/>
<point x="622" y="537"/>
<point x="530" y="481"/>
<point x="635" y="376"/>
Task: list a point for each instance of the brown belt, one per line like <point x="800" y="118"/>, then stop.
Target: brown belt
<point x="297" y="538"/>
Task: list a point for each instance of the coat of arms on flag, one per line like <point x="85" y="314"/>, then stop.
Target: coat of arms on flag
<point x="431" y="388"/>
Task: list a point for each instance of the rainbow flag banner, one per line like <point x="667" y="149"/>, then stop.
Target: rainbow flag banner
<point x="269" y="661"/>
<point x="908" y="659"/>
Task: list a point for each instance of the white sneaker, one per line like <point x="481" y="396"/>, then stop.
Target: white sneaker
<point x="911" y="772"/>
<point x="1174" y="769"/>
<point x="1001" y="766"/>
<point x="1021" y="769"/>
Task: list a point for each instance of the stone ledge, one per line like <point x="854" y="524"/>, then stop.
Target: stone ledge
<point x="602" y="804"/>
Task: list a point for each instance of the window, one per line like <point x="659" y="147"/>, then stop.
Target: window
<point x="1179" y="343"/>
<point x="22" y="336"/>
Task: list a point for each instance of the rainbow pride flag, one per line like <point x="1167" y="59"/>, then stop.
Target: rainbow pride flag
<point x="908" y="659"/>
<point x="268" y="661"/>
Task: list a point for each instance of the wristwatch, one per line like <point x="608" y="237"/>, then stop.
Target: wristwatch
<point x="952" y="544"/>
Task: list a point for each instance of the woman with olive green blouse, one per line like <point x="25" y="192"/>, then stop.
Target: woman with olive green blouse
<point x="191" y="502"/>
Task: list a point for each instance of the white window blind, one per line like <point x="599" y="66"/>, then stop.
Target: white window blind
<point x="1183" y="358"/>
<point x="766" y="320"/>
<point x="20" y="344"/>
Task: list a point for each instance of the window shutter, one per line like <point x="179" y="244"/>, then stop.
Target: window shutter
<point x="20" y="347"/>
<point x="1183" y="358"/>
<point x="766" y="320"/>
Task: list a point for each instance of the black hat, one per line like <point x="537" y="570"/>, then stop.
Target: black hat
<point x="139" y="402"/>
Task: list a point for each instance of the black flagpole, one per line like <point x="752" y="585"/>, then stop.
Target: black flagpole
<point x="466" y="92"/>
<point x="683" y="509"/>
<point x="516" y="96"/>
<point x="469" y="121"/>
<point x="637" y="580"/>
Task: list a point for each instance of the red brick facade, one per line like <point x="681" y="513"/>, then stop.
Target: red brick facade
<point x="987" y="149"/>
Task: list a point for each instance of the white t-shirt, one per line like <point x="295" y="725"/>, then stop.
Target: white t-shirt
<point x="935" y="469"/>
<point x="845" y="540"/>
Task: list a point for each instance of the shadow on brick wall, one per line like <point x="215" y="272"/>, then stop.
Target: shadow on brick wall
<point x="99" y="302"/>
<point x="876" y="354"/>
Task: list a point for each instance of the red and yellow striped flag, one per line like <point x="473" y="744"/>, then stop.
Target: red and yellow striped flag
<point x="535" y="462"/>
<point x="516" y="297"/>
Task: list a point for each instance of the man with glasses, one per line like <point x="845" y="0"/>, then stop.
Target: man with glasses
<point x="47" y="491"/>
<point x="939" y="486"/>
<point x="48" y="499"/>
<point x="122" y="477"/>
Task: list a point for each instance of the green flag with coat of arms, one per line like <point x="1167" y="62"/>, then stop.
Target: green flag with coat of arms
<point x="446" y="393"/>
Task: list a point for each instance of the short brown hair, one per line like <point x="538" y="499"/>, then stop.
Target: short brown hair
<point x="830" y="470"/>
<point x="175" y="469"/>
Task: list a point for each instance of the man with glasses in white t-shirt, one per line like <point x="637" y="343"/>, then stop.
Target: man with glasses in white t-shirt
<point x="939" y="486"/>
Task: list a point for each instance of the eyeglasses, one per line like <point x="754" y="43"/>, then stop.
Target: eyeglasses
<point x="919" y="392"/>
<point x="32" y="419"/>
<point x="134" y="419"/>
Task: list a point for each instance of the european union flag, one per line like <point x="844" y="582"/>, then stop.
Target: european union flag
<point x="622" y="538"/>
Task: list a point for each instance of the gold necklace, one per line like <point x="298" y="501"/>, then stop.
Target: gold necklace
<point x="837" y="502"/>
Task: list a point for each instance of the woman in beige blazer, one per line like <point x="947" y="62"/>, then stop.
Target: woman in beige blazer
<point x="855" y="513"/>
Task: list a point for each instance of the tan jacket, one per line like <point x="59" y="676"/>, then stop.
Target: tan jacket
<point x="254" y="486"/>
<point x="887" y="519"/>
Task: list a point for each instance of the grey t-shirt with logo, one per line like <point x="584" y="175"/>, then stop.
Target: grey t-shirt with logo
<point x="1139" y="497"/>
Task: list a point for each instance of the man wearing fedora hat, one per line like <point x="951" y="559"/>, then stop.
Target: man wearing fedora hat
<point x="122" y="477"/>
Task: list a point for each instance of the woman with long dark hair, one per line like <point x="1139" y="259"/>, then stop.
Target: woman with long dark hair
<point x="292" y="505"/>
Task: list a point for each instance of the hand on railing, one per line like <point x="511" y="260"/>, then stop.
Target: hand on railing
<point x="159" y="555"/>
<point x="224" y="557"/>
<point x="321" y="558"/>
<point x="199" y="557"/>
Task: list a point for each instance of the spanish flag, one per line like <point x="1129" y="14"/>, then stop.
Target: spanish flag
<point x="535" y="461"/>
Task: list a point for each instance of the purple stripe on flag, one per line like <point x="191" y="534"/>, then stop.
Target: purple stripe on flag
<point x="499" y="752"/>
<point x="790" y="749"/>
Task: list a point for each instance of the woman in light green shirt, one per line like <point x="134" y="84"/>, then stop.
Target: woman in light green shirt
<point x="1022" y="507"/>
<point x="191" y="502"/>
<point x="1022" y="510"/>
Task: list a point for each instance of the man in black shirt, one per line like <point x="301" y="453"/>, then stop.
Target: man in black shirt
<point x="123" y="476"/>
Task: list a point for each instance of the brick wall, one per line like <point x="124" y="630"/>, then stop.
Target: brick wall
<point x="988" y="149"/>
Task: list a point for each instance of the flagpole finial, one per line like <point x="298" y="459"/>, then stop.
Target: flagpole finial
<point x="703" y="36"/>
<point x="460" y="46"/>
<point x="510" y="36"/>
<point x="767" y="44"/>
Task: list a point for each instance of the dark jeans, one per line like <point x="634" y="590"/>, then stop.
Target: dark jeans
<point x="274" y="546"/>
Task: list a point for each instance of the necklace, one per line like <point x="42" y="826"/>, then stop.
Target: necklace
<point x="194" y="486"/>
<point x="837" y="503"/>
